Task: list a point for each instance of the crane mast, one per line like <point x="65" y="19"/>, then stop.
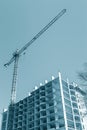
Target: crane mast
<point x="17" y="54"/>
<point x="14" y="80"/>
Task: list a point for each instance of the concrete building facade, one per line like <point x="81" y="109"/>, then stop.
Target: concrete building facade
<point x="52" y="106"/>
<point x="4" y="120"/>
<point x="82" y="106"/>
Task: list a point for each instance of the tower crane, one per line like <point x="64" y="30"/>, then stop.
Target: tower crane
<point x="16" y="55"/>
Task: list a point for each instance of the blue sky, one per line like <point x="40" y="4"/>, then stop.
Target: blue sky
<point x="63" y="47"/>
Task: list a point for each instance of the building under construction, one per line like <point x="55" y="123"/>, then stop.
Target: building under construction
<point x="52" y="106"/>
<point x="82" y="105"/>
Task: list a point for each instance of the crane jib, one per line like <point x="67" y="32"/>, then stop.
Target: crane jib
<point x="37" y="35"/>
<point x="42" y="31"/>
